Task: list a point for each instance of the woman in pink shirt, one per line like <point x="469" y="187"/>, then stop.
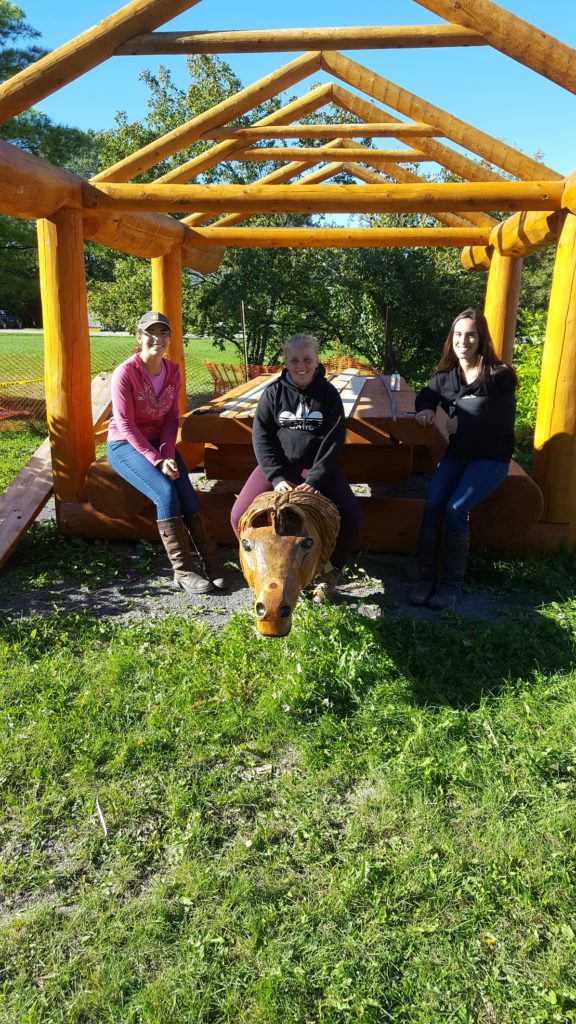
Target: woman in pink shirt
<point x="142" y="449"/>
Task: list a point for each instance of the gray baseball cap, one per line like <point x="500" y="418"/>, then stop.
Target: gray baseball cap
<point x="153" y="318"/>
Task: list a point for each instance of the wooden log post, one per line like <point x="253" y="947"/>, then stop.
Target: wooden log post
<point x="67" y="352"/>
<point x="167" y="299"/>
<point x="501" y="302"/>
<point x="555" y="435"/>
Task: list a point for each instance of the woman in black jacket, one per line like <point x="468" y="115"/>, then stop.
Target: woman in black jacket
<point x="298" y="434"/>
<point x="477" y="390"/>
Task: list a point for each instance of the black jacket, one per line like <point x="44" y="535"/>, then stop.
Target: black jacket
<point x="485" y="412"/>
<point x="296" y="429"/>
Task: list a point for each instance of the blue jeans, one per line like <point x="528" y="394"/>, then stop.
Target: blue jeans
<point x="171" y="497"/>
<point x="456" y="487"/>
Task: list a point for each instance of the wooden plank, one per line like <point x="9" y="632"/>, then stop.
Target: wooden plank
<point x="360" y="463"/>
<point x="28" y="493"/>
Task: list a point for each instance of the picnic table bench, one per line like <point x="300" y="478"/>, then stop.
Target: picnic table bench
<point x="385" y="450"/>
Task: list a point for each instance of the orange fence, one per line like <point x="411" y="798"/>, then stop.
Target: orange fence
<point x="228" y="375"/>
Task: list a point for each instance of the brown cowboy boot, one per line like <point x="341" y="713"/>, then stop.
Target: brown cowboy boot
<point x="206" y="547"/>
<point x="176" y="541"/>
<point x="427" y="561"/>
<point x="448" y="591"/>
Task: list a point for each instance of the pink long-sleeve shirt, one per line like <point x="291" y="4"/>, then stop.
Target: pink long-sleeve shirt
<point x="138" y="414"/>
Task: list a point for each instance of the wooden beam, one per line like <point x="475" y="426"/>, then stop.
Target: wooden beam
<point x="513" y="36"/>
<point x="443" y="155"/>
<point x="339" y="238"/>
<point x="67" y="352"/>
<point x="376" y="37"/>
<point x="525" y="233"/>
<point x="458" y="131"/>
<point x="260" y="91"/>
<point x="555" y="434"/>
<point x="377" y="156"/>
<point x="32" y="188"/>
<point x="476" y="257"/>
<point x="381" y="130"/>
<point x="569" y="196"/>
<point x="518" y="235"/>
<point x="311" y="100"/>
<point x="405" y="177"/>
<point x="461" y="196"/>
<point x="86" y="51"/>
<point x="167" y="299"/>
<point x="501" y="303"/>
<point x="451" y="220"/>
<point x="279" y="176"/>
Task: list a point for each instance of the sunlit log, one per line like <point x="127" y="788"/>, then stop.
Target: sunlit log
<point x="339" y="238"/>
<point x="378" y="156"/>
<point x="242" y="101"/>
<point x="382" y="130"/>
<point x="460" y="196"/>
<point x="278" y="40"/>
<point x="458" y="131"/>
<point x="83" y="52"/>
<point x="187" y="171"/>
<point x="512" y="35"/>
<point x="443" y="155"/>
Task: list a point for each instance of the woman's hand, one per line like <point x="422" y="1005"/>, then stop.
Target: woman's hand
<point x="283" y="486"/>
<point x="307" y="487"/>
<point x="452" y="425"/>
<point x="170" y="469"/>
<point x="425" y="417"/>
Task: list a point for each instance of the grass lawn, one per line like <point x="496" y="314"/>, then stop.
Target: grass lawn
<point x="366" y="822"/>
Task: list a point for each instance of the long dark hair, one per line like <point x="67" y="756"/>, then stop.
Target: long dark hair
<point x="488" y="361"/>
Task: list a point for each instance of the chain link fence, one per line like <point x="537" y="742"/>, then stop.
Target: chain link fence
<point x="22" y="392"/>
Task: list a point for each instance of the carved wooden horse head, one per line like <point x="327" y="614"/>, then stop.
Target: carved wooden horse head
<point x="285" y="539"/>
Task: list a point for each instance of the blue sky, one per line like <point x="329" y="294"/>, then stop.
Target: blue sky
<point x="477" y="84"/>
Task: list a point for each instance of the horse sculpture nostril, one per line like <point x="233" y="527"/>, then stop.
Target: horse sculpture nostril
<point x="285" y="611"/>
<point x="260" y="610"/>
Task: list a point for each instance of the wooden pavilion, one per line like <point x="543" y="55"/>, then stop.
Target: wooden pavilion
<point x="132" y="217"/>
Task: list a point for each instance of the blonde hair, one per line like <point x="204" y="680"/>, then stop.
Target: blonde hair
<point x="301" y="339"/>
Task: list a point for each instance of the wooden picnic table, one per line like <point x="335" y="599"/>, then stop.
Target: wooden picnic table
<point x="384" y="447"/>
<point x="384" y="444"/>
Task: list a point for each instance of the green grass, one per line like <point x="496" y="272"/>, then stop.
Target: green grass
<point x="364" y="822"/>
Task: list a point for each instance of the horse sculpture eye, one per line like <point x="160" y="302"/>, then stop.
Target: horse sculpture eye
<point x="307" y="542"/>
<point x="246" y="545"/>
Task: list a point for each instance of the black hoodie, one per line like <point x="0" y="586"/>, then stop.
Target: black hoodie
<point x="299" y="428"/>
<point x="485" y="411"/>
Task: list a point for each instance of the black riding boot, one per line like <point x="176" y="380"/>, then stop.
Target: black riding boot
<point x="448" y="591"/>
<point x="427" y="560"/>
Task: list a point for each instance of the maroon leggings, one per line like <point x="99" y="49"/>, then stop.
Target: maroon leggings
<point x="336" y="488"/>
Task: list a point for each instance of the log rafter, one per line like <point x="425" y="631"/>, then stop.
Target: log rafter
<point x="461" y="196"/>
<point x="335" y="238"/>
<point x="385" y="156"/>
<point x="513" y="36"/>
<point x="311" y="101"/>
<point x="458" y="131"/>
<point x="263" y="89"/>
<point x="281" y="40"/>
<point x="382" y="130"/>
<point x="84" y="52"/>
<point x="443" y="155"/>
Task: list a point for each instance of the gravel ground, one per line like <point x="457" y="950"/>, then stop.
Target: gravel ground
<point x="377" y="585"/>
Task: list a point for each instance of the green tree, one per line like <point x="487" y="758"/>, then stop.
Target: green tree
<point x="33" y="131"/>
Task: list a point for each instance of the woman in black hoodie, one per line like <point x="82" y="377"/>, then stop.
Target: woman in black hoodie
<point x="477" y="390"/>
<point x="298" y="434"/>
